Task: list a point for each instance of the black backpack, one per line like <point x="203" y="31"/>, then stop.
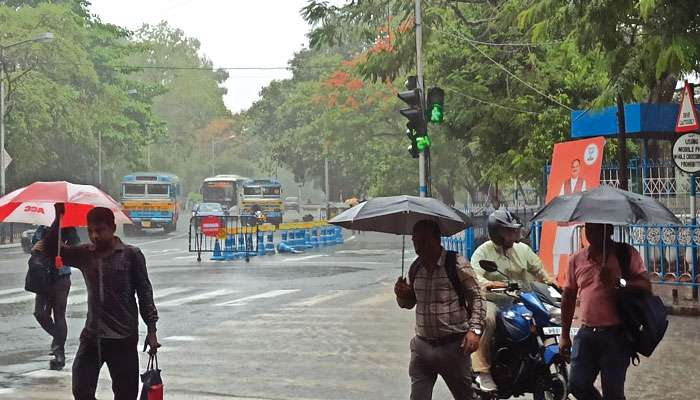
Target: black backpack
<point x="451" y="270"/>
<point x="38" y="279"/>
<point x="643" y="314"/>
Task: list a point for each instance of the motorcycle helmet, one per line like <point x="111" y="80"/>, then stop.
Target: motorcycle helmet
<point x="500" y="219"/>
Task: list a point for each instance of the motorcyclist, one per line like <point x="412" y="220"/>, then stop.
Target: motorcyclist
<point x="517" y="262"/>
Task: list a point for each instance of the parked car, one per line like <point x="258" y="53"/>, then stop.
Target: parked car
<point x="27" y="240"/>
<point x="208" y="209"/>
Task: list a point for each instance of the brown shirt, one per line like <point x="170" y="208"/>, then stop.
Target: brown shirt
<point x="438" y="312"/>
<point x="112" y="280"/>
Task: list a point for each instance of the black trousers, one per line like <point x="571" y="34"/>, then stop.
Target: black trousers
<point x="50" y="311"/>
<point x="121" y="356"/>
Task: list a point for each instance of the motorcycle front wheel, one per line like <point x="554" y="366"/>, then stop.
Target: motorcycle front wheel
<point x="557" y="390"/>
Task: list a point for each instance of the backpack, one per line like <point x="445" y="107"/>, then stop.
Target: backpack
<point x="38" y="279"/>
<point x="643" y="314"/>
<point x="451" y="270"/>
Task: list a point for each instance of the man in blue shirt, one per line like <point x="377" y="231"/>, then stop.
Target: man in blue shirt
<point x="50" y="307"/>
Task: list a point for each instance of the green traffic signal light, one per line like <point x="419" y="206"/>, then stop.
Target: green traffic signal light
<point x="423" y="142"/>
<point x="436" y="101"/>
<point x="436" y="115"/>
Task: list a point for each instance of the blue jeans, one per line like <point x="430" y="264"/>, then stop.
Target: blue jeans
<point x="599" y="351"/>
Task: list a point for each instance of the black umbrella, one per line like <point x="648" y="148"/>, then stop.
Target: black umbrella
<point x="607" y="205"/>
<point x="398" y="214"/>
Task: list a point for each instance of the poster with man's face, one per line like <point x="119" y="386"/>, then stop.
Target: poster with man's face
<point x="575" y="168"/>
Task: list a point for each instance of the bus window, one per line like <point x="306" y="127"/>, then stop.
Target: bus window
<point x="271" y="191"/>
<point x="131" y="189"/>
<point x="158" y="190"/>
<point x="252" y="191"/>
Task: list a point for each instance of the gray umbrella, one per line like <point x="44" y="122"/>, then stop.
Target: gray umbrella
<point x="607" y="205"/>
<point x="398" y="214"/>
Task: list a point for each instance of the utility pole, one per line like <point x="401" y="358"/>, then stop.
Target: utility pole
<point x="2" y="121"/>
<point x="213" y="172"/>
<point x="422" y="187"/>
<point x="99" y="158"/>
<point x="622" y="142"/>
<point x="328" y="204"/>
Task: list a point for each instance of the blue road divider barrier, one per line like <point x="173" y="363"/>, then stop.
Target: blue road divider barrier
<point x="234" y="241"/>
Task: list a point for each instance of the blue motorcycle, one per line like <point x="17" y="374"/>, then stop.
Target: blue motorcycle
<point x="525" y="356"/>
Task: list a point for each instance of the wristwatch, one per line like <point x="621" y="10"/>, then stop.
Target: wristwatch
<point x="477" y="331"/>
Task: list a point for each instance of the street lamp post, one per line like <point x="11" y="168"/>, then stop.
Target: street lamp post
<point x="213" y="141"/>
<point x="44" y="37"/>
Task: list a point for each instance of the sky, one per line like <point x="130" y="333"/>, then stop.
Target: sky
<point x="232" y="33"/>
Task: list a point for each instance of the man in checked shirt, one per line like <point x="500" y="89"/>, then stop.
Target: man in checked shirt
<point x="447" y="332"/>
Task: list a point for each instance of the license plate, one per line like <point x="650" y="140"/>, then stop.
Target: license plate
<point x="146" y="224"/>
<point x="556" y="331"/>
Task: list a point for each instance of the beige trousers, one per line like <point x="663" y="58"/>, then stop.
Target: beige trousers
<point x="481" y="359"/>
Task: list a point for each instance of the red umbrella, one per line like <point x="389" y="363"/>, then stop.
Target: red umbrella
<point x="33" y="204"/>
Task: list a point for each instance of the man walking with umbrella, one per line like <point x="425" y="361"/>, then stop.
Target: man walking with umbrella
<point x="448" y="318"/>
<point x="600" y="345"/>
<point x="114" y="272"/>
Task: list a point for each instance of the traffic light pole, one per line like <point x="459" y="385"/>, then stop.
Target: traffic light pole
<point x="422" y="187"/>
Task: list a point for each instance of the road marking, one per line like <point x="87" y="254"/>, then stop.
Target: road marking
<point x="351" y="238"/>
<point x="304" y="258"/>
<point x="6" y="391"/>
<point x="376" y="299"/>
<point x="197" y="297"/>
<point x="161" y="240"/>
<point x="312" y="301"/>
<point x="18" y="299"/>
<point x="11" y="291"/>
<point x="184" y="257"/>
<point x="181" y="339"/>
<point x="266" y="295"/>
<point x="170" y="291"/>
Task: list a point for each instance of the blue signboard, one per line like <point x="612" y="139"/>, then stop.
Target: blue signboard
<point x="640" y="118"/>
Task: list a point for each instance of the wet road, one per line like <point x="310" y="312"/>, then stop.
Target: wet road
<point x="319" y="325"/>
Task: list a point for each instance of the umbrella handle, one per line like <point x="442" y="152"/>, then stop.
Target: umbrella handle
<point x="58" y="262"/>
<point x="403" y="251"/>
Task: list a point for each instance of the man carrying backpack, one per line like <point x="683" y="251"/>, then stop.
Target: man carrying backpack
<point x="601" y="346"/>
<point x="449" y="315"/>
<point x="50" y="306"/>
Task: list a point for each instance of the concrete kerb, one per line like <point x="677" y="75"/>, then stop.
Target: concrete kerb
<point x="10" y="245"/>
<point x="678" y="299"/>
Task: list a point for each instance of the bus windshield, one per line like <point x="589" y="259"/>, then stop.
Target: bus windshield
<point x="251" y="191"/>
<point x="158" y="189"/>
<point x="219" y="192"/>
<point x="134" y="189"/>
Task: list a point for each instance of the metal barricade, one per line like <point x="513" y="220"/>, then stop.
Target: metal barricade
<point x="669" y="252"/>
<point x="227" y="238"/>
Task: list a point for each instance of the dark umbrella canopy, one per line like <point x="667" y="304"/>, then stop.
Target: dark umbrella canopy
<point x="398" y="214"/>
<point x="607" y="205"/>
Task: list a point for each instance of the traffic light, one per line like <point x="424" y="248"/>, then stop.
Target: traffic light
<point x="416" y="127"/>
<point x="413" y="147"/>
<point x="436" y="103"/>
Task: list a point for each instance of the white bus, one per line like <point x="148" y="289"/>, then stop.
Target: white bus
<point x="223" y="189"/>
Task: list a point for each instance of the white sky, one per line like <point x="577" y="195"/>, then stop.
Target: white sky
<point x="233" y="33"/>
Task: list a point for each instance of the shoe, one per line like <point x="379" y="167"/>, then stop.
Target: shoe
<point x="59" y="360"/>
<point x="486" y="383"/>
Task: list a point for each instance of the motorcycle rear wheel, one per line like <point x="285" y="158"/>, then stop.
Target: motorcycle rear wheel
<point x="557" y="390"/>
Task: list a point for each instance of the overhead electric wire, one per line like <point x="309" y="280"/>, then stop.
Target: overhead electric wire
<point x="491" y="103"/>
<point x="506" y="70"/>
<point x="187" y="67"/>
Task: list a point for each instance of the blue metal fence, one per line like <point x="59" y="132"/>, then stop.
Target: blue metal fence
<point x="670" y="253"/>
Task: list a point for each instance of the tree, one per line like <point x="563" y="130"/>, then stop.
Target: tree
<point x="61" y="94"/>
